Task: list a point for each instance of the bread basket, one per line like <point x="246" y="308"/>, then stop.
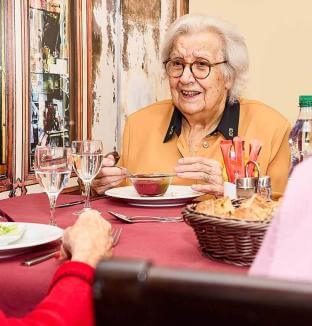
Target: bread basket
<point x="224" y="239"/>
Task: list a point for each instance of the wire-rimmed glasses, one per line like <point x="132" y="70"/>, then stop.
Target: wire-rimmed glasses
<point x="200" y="68"/>
<point x="87" y="160"/>
<point x="53" y="166"/>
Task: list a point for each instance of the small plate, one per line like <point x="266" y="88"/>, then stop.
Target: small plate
<point x="34" y="235"/>
<point x="175" y="196"/>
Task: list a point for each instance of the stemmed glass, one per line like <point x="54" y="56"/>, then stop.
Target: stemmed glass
<point x="87" y="159"/>
<point x="53" y="166"/>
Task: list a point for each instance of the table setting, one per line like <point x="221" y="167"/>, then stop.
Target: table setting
<point x="150" y="191"/>
<point x="53" y="167"/>
<point x="148" y="220"/>
<point x="170" y="244"/>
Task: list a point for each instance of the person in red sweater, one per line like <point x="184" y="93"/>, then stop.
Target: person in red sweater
<point x="69" y="301"/>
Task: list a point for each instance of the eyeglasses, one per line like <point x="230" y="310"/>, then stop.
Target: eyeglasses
<point x="200" y="68"/>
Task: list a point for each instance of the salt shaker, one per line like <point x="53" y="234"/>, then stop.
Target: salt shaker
<point x="264" y="187"/>
<point x="246" y="187"/>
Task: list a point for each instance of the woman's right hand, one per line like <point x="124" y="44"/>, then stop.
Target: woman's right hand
<point x="109" y="176"/>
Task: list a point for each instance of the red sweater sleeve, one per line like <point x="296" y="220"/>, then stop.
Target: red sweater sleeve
<point x="69" y="301"/>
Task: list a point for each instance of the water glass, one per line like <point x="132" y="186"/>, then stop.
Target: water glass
<point x="53" y="166"/>
<point x="87" y="160"/>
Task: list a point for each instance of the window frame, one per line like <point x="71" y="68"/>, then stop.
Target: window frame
<point x="6" y="181"/>
<point x="75" y="77"/>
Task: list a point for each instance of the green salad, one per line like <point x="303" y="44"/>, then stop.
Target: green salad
<point x="5" y="229"/>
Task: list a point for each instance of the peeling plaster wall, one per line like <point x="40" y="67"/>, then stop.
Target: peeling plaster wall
<point x="127" y="68"/>
<point x="104" y="73"/>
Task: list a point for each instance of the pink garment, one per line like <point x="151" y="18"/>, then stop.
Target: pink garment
<point x="287" y="248"/>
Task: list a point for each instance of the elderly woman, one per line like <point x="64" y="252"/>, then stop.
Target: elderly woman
<point x="206" y="62"/>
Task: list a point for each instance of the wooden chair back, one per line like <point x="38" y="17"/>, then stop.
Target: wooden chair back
<point x="137" y="293"/>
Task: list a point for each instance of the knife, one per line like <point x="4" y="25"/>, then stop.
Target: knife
<point x="6" y="216"/>
<point x="38" y="259"/>
<point x="77" y="202"/>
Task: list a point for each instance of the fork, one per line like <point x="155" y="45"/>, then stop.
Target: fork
<point x="56" y="252"/>
<point x="142" y="218"/>
<point x="116" y="235"/>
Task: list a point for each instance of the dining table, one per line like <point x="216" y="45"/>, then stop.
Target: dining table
<point x="171" y="244"/>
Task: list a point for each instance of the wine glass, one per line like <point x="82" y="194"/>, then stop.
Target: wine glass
<point x="87" y="160"/>
<point x="53" y="166"/>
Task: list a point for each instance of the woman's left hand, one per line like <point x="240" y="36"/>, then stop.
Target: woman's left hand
<point x="200" y="168"/>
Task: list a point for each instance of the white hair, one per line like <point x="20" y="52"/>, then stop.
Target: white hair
<point x="234" y="51"/>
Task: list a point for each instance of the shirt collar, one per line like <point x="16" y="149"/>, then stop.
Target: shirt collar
<point x="228" y="125"/>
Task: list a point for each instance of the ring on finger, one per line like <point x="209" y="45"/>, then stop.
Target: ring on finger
<point x="206" y="177"/>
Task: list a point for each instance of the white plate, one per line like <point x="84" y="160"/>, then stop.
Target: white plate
<point x="174" y="196"/>
<point x="34" y="235"/>
<point x="12" y="236"/>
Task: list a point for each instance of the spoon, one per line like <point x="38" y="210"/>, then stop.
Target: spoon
<point x="128" y="175"/>
<point x="144" y="175"/>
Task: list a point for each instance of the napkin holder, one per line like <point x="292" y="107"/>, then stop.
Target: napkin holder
<point x="229" y="190"/>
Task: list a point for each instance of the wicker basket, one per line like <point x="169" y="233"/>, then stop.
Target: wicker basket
<point x="227" y="240"/>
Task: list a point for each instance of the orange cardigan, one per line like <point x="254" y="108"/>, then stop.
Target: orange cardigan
<point x="143" y="149"/>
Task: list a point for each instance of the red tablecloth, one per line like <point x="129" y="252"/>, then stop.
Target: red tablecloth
<point x="165" y="244"/>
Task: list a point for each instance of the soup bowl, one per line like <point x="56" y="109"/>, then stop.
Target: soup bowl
<point x="151" y="185"/>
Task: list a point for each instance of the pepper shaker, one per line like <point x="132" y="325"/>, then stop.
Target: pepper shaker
<point x="264" y="187"/>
